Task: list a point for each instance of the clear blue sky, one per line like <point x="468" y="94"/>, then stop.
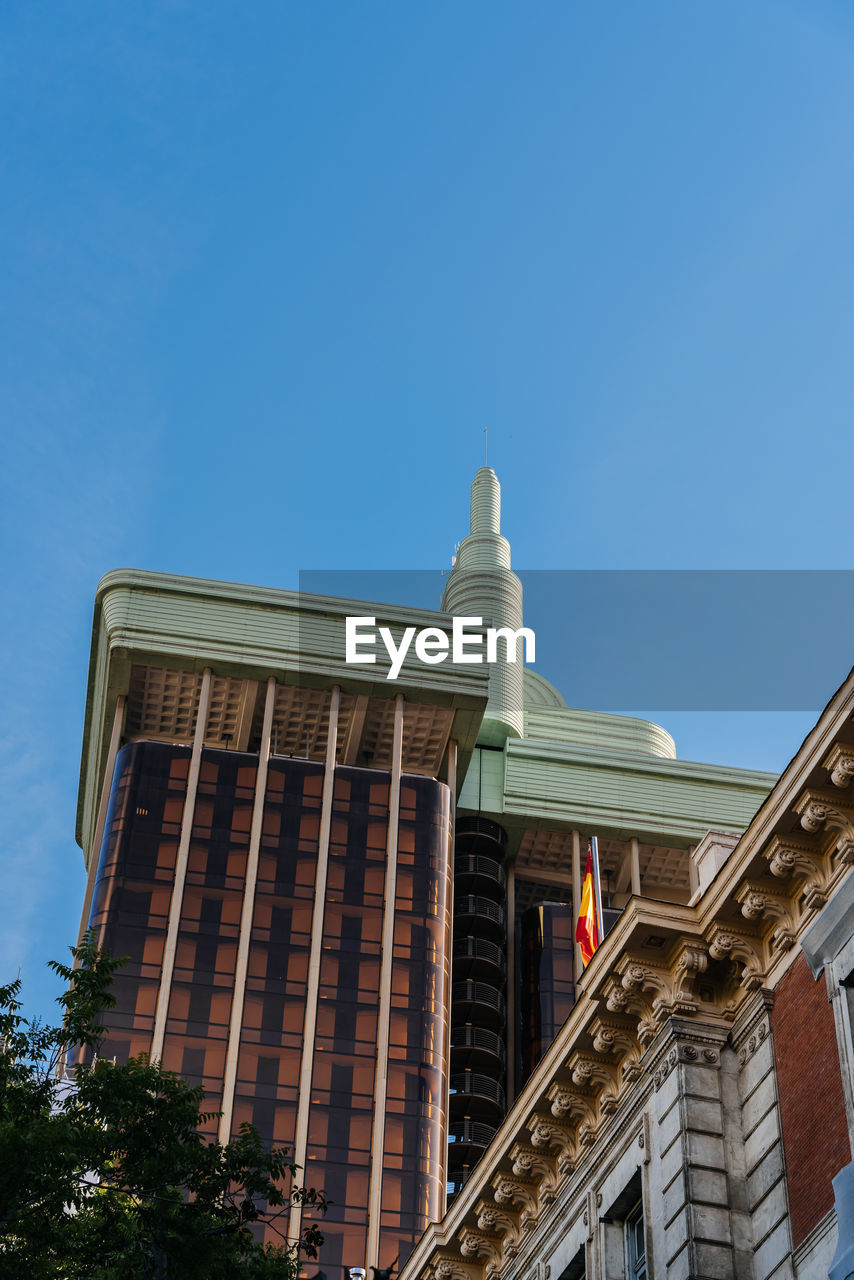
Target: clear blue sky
<point x="269" y="269"/>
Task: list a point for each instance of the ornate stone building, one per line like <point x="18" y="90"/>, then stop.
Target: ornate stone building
<point x="694" y="1116"/>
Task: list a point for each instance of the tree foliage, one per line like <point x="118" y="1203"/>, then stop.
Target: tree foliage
<point x="105" y="1174"/>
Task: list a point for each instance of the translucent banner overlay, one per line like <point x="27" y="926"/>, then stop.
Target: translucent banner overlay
<point x="689" y="640"/>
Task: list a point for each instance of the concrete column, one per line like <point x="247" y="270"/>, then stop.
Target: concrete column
<point x="101" y="820"/>
<point x="313" y="980"/>
<point x="251" y="879"/>
<point x="383" y="1021"/>
<point x="511" y="984"/>
<point x="183" y="854"/>
<point x="452" y="786"/>
<point x="576" y="897"/>
<point x="634" y="851"/>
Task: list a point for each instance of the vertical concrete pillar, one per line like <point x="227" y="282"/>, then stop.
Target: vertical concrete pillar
<point x="176" y="902"/>
<point x="576" y="897"/>
<point x="247" y="911"/>
<point x="313" y="980"/>
<point x="511" y="984"/>
<point x="101" y="820"/>
<point x="452" y="787"/>
<point x="634" y="850"/>
<point x="384" y="1017"/>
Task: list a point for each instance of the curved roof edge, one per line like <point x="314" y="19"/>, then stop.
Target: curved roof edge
<point x="548" y="717"/>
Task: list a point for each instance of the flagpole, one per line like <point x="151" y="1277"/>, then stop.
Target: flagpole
<point x="597" y="886"/>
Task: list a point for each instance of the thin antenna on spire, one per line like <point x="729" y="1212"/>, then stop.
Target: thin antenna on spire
<point x="485" y="429"/>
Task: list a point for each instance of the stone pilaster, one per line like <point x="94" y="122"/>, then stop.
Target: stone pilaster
<point x="695" y="1232"/>
<point x="761" y="1169"/>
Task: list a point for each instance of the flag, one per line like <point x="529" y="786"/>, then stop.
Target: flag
<point x="586" y="926"/>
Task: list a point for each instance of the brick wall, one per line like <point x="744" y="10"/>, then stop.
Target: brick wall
<point x="812" y="1106"/>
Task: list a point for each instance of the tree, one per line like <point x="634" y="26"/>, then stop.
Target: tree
<point x="104" y="1174"/>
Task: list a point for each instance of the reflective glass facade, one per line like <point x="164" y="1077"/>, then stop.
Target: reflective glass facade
<point x="546" y="979"/>
<point x="130" y="910"/>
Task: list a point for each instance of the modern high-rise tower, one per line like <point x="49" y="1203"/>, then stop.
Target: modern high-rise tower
<point x="348" y="900"/>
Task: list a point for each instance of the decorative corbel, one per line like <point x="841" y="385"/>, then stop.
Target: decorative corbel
<point x="492" y="1218"/>
<point x="673" y="988"/>
<point x="759" y="903"/>
<point x="611" y="1037"/>
<point x="821" y="810"/>
<point x="691" y="963"/>
<point x="795" y="856"/>
<point x="548" y="1134"/>
<point x="446" y="1267"/>
<point x="518" y="1196"/>
<point x="567" y="1102"/>
<point x="840" y="764"/>
<point x="728" y="943"/>
<point x="620" y="999"/>
<point x="601" y="1076"/>
<point x="533" y="1165"/>
<point x="482" y="1248"/>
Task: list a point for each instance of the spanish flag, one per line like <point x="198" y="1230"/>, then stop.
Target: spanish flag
<point x="587" y="925"/>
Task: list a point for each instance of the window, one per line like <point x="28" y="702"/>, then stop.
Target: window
<point x="577" y="1269"/>
<point x="635" y="1233"/>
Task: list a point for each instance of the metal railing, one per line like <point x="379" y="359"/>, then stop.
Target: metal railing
<point x="478" y="1038"/>
<point x="474" y="864"/>
<point x="474" y="905"/>
<point x="474" y="1084"/>
<point x="480" y="949"/>
<point x="471" y="1133"/>
<point x="477" y="993"/>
